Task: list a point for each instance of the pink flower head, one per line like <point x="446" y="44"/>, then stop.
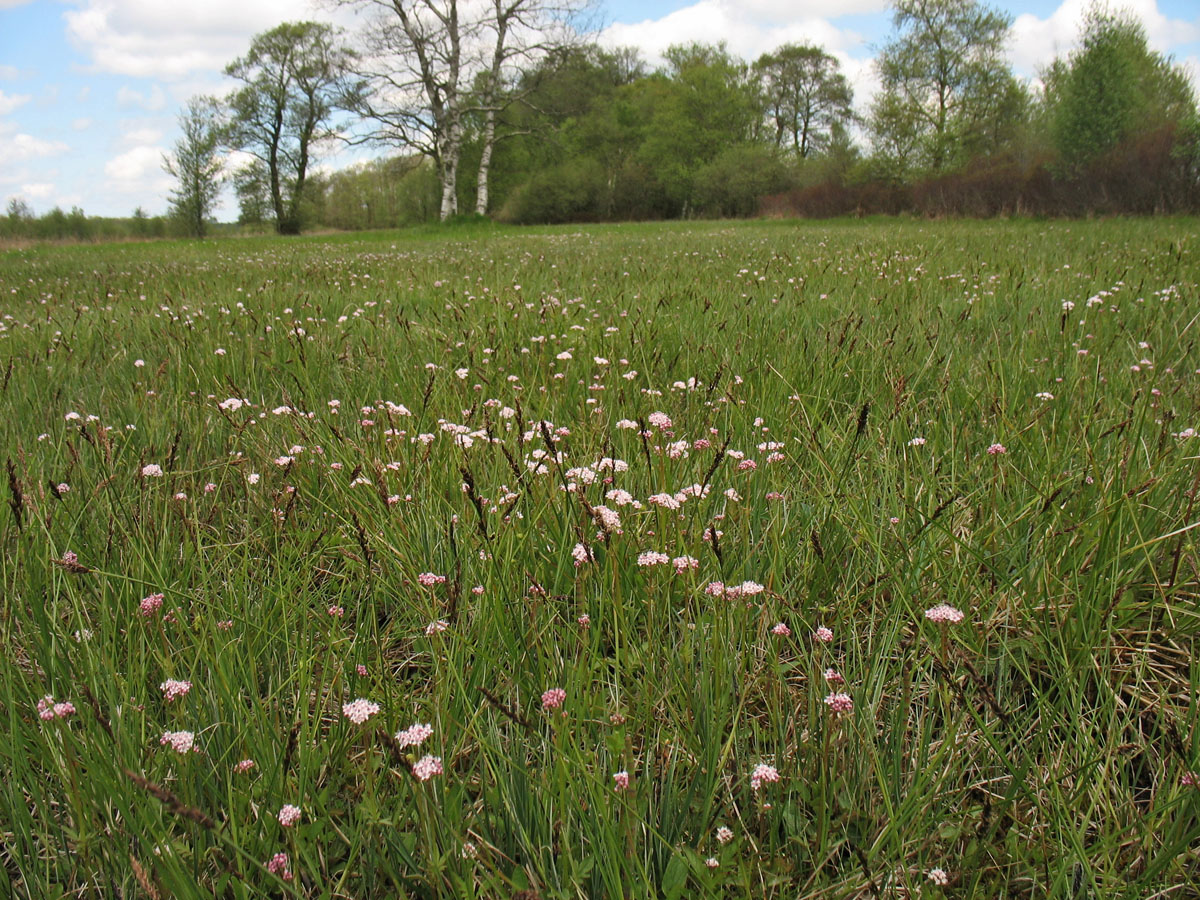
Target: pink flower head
<point x="584" y="621"/>
<point x="712" y="862"/>
<point x="45" y="708"/>
<point x="652" y="558"/>
<point x="361" y="670"/>
<point x="278" y="865"/>
<point x="659" y="420"/>
<point x="944" y="613"/>
<point x="426" y="767"/>
<point x="839" y="702"/>
<point x="683" y="563"/>
<point x="763" y="774"/>
<point x="414" y="735"/>
<point x="993" y="450"/>
<point x="289" y="815"/>
<point x="436" y="627"/>
<point x="823" y="634"/>
<point x="939" y="877"/>
<point x="172" y="688"/>
<point x="428" y="579"/>
<point x="152" y="470"/>
<point x="1190" y="779"/>
<point x="553" y="698"/>
<point x="180" y="741"/>
<point x="833" y="676"/>
<point x="151" y="604"/>
<point x="244" y="766"/>
<point x="781" y="629"/>
<point x="620" y="781"/>
<point x="359" y="710"/>
<point x="336" y="611"/>
<point x="724" y="835"/>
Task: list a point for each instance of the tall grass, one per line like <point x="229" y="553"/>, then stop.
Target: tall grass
<point x="416" y="405"/>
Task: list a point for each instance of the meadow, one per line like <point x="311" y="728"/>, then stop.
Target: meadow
<point x="787" y="560"/>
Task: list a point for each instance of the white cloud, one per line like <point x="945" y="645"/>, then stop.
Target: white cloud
<point x="136" y="165"/>
<point x="38" y="190"/>
<point x="8" y="73"/>
<point x="152" y="101"/>
<point x="9" y="102"/>
<point x="168" y="40"/>
<point x="749" y="28"/>
<point x="12" y="4"/>
<point x="142" y="136"/>
<point x="83" y="123"/>
<point x="18" y="147"/>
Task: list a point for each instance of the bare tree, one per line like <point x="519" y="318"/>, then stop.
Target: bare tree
<point x="433" y="66"/>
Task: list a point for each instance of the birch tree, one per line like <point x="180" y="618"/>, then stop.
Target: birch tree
<point x="434" y="67"/>
<point x="196" y="165"/>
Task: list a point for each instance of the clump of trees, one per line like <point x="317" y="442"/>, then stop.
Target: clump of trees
<point x="502" y="107"/>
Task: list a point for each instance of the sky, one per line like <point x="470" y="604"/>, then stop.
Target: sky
<point x="90" y="90"/>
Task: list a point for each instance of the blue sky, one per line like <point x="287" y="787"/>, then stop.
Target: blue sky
<point x="90" y="89"/>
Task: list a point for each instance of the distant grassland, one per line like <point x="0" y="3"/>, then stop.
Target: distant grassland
<point x="643" y="522"/>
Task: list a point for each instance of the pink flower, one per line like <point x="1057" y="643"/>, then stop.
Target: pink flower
<point x="180" y="741"/>
<point x="45" y="708"/>
<point x="172" y="688"/>
<point x="289" y="815"/>
<point x="359" y="710"/>
<point x="620" y="781"/>
<point x="152" y="470"/>
<point x="64" y="709"/>
<point x="939" y="877"/>
<point x="426" y="767"/>
<point x="584" y="621"/>
<point x="1190" y="779"/>
<point x="414" y="735"/>
<point x="553" y="698"/>
<point x="712" y="862"/>
<point x="724" y="835"/>
<point x="278" y="865"/>
<point x="244" y="766"/>
<point x="944" y="613"/>
<point x="833" y="676"/>
<point x="151" y="604"/>
<point x="361" y="669"/>
<point x="839" y="702"/>
<point x="994" y="450"/>
<point x="429" y="579"/>
<point x="781" y="629"/>
<point x="436" y="627"/>
<point x="652" y="558"/>
<point x="823" y="634"/>
<point x="683" y="563"/>
<point x="336" y="611"/>
<point x="659" y="420"/>
<point x="763" y="774"/>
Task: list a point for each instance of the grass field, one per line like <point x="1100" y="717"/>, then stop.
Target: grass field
<point x="662" y="530"/>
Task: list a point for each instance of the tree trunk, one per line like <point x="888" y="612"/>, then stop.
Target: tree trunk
<point x="450" y="153"/>
<point x="485" y="163"/>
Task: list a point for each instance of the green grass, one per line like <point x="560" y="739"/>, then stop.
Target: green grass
<point x="1036" y="749"/>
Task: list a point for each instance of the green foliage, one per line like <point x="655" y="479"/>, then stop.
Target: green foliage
<point x="1111" y="89"/>
<point x="733" y="183"/>
<point x="806" y="96"/>
<point x="944" y="83"/>
<point x="293" y="75"/>
<point x="196" y="165"/>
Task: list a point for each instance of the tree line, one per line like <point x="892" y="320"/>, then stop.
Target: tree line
<point x="505" y="108"/>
